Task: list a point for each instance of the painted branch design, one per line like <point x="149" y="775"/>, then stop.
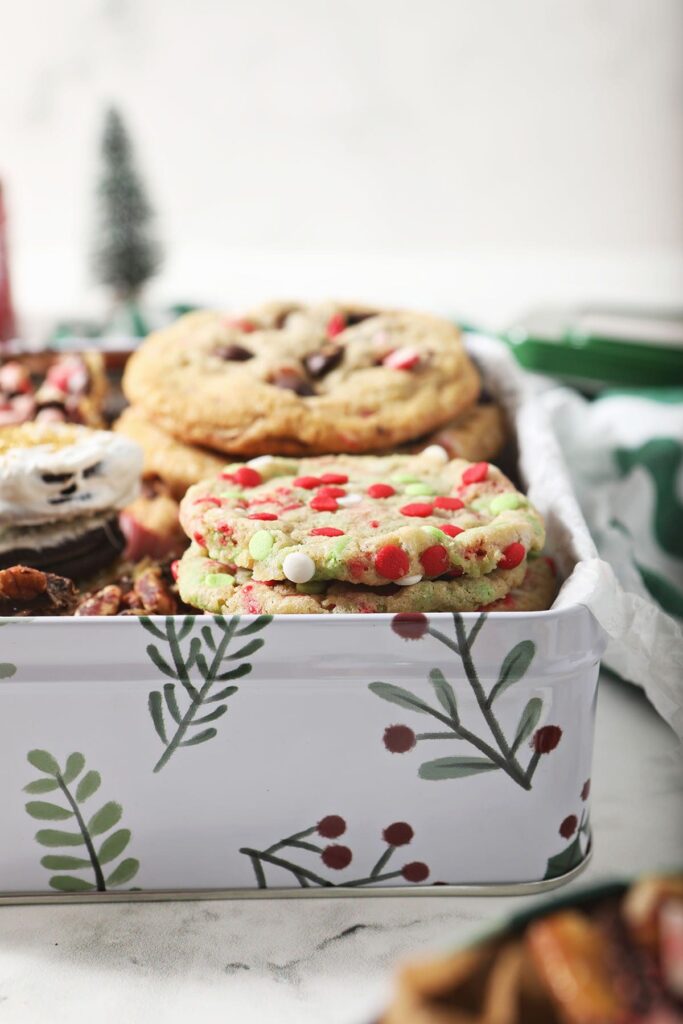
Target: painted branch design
<point x="334" y="856"/>
<point x="60" y="781"/>
<point x="495" y="752"/>
<point x="577" y="832"/>
<point x="197" y="669"/>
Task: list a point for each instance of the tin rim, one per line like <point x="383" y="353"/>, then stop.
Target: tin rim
<point x="338" y="892"/>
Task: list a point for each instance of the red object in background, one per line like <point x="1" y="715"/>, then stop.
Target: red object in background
<point x="7" y="324"/>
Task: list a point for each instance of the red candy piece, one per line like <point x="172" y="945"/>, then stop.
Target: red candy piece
<point x="513" y="554"/>
<point x="262" y="515"/>
<point x="476" y="473"/>
<point x="381" y="490"/>
<point x="290" y="508"/>
<point x="224" y="528"/>
<point x="245" y="476"/>
<point x="321" y="503"/>
<point x="435" y="560"/>
<point x="392" y="562"/>
<point x="307" y="482"/>
<point x="451" y="529"/>
<point x="450" y="503"/>
<point x="207" y="501"/>
<point x="331" y="492"/>
<point x="326" y="531"/>
<point x="335" y="325"/>
<point x="174" y="568"/>
<point x="454" y="573"/>
<point x="198" y="537"/>
<point x="417" y="508"/>
<point x="402" y="359"/>
<point x="334" y="478"/>
<point x="374" y="523"/>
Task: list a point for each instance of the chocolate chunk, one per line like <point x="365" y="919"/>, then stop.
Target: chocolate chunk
<point x="234" y="353"/>
<point x="325" y="359"/>
<point x="357" y="318"/>
<point x="292" y="381"/>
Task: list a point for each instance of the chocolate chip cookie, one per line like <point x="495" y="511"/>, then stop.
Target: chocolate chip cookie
<point x="299" y="380"/>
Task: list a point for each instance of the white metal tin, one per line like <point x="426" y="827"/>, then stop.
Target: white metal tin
<point x="353" y="751"/>
<point x="331" y="755"/>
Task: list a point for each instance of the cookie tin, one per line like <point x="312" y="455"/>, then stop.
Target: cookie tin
<point x="197" y="756"/>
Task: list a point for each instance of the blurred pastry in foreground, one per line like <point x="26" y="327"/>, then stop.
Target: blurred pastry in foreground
<point x="613" y="959"/>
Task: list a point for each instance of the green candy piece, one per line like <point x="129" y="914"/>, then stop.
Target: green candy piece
<point x="503" y="502"/>
<point x="314" y="587"/>
<point x="232" y="494"/>
<point x="337" y="548"/>
<point x="260" y="545"/>
<point x="434" y="531"/>
<point x="405" y="478"/>
<point x="218" y="579"/>
<point x="420" y="488"/>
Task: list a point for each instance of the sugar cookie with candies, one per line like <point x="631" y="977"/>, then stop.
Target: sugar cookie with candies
<point x="363" y="519"/>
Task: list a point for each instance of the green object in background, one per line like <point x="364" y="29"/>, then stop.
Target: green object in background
<point x="597" y="346"/>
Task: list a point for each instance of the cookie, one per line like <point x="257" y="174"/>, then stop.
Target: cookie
<point x="537" y="591"/>
<point x="476" y="435"/>
<point x="69" y="388"/>
<point x="302" y="380"/>
<point x="178" y="464"/>
<point x="363" y="519"/>
<point x="209" y="585"/>
<point x="53" y="472"/>
<point x="75" y="548"/>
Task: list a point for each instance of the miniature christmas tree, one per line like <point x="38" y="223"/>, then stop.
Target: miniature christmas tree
<point x="126" y="253"/>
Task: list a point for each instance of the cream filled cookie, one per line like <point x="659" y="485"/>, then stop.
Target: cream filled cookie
<point x="75" y="548"/>
<point x="363" y="519"/>
<point x="53" y="472"/>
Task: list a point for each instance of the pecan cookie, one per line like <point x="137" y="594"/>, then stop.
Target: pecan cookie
<point x="178" y="464"/>
<point x="299" y="380"/>
<point x="207" y="584"/>
<point x="364" y="519"/>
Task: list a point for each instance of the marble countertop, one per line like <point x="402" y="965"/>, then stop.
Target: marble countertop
<point x="328" y="961"/>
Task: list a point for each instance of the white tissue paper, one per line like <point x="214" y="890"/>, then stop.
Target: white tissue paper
<point x="566" y="456"/>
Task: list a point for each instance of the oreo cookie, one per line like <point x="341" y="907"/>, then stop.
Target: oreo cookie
<point x="77" y="554"/>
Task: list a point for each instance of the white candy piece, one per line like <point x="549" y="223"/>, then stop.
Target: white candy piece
<point x="408" y="581"/>
<point x="261" y="461"/>
<point x="298" y="567"/>
<point x="436" y="453"/>
<point x="349" y="499"/>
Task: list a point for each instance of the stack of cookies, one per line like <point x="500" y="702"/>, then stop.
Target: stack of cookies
<point x="61" y="490"/>
<point x="296" y="380"/>
<point x="395" y="533"/>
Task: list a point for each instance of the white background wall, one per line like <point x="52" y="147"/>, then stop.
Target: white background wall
<point x="469" y="154"/>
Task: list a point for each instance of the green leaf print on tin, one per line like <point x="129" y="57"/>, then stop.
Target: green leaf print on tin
<point x="499" y="752"/>
<point x="7" y="669"/>
<point x="81" y="832"/>
<point x="197" y="667"/>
